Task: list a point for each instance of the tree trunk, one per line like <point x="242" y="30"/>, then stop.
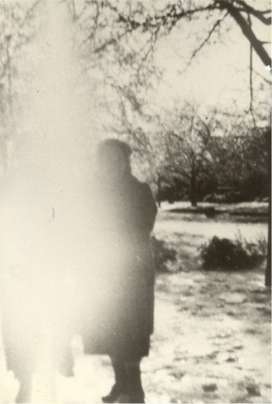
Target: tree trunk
<point x="268" y="275"/>
<point x="267" y="280"/>
<point x="159" y="191"/>
<point x="193" y="191"/>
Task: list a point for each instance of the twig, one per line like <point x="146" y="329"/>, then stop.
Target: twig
<point x="250" y="72"/>
<point x="205" y="41"/>
<point x="262" y="77"/>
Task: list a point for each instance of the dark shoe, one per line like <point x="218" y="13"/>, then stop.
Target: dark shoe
<point x="114" y="394"/>
<point x="135" y="397"/>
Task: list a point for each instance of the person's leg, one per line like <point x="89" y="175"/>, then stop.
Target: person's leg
<point x="65" y="362"/>
<point x="24" y="393"/>
<point x="119" y="383"/>
<point x="134" y="390"/>
<point x="19" y="364"/>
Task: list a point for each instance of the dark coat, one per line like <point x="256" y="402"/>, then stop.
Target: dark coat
<point x="123" y="299"/>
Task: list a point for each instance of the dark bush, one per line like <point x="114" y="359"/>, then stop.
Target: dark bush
<point x="235" y="197"/>
<point x="225" y="254"/>
<point x="163" y="254"/>
<point x="255" y="185"/>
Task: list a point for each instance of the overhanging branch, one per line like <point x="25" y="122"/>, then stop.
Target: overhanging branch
<point x="247" y="31"/>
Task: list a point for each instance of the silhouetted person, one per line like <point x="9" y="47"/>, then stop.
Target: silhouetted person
<point x="125" y="215"/>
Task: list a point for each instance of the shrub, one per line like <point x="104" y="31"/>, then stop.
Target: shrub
<point x="163" y="254"/>
<point x="225" y="254"/>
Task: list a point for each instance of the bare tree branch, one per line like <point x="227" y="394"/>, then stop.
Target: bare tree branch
<point x="205" y="40"/>
<point x="172" y="14"/>
<point x="261" y="15"/>
<point x="262" y="77"/>
<point x="247" y="31"/>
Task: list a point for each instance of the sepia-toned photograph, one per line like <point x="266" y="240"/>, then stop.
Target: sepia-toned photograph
<point x="135" y="201"/>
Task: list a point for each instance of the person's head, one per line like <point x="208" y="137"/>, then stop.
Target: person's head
<point x="113" y="158"/>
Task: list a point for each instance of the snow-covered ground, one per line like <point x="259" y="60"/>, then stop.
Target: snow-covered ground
<point x="199" y="225"/>
<point x="211" y="342"/>
<point x="253" y="206"/>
